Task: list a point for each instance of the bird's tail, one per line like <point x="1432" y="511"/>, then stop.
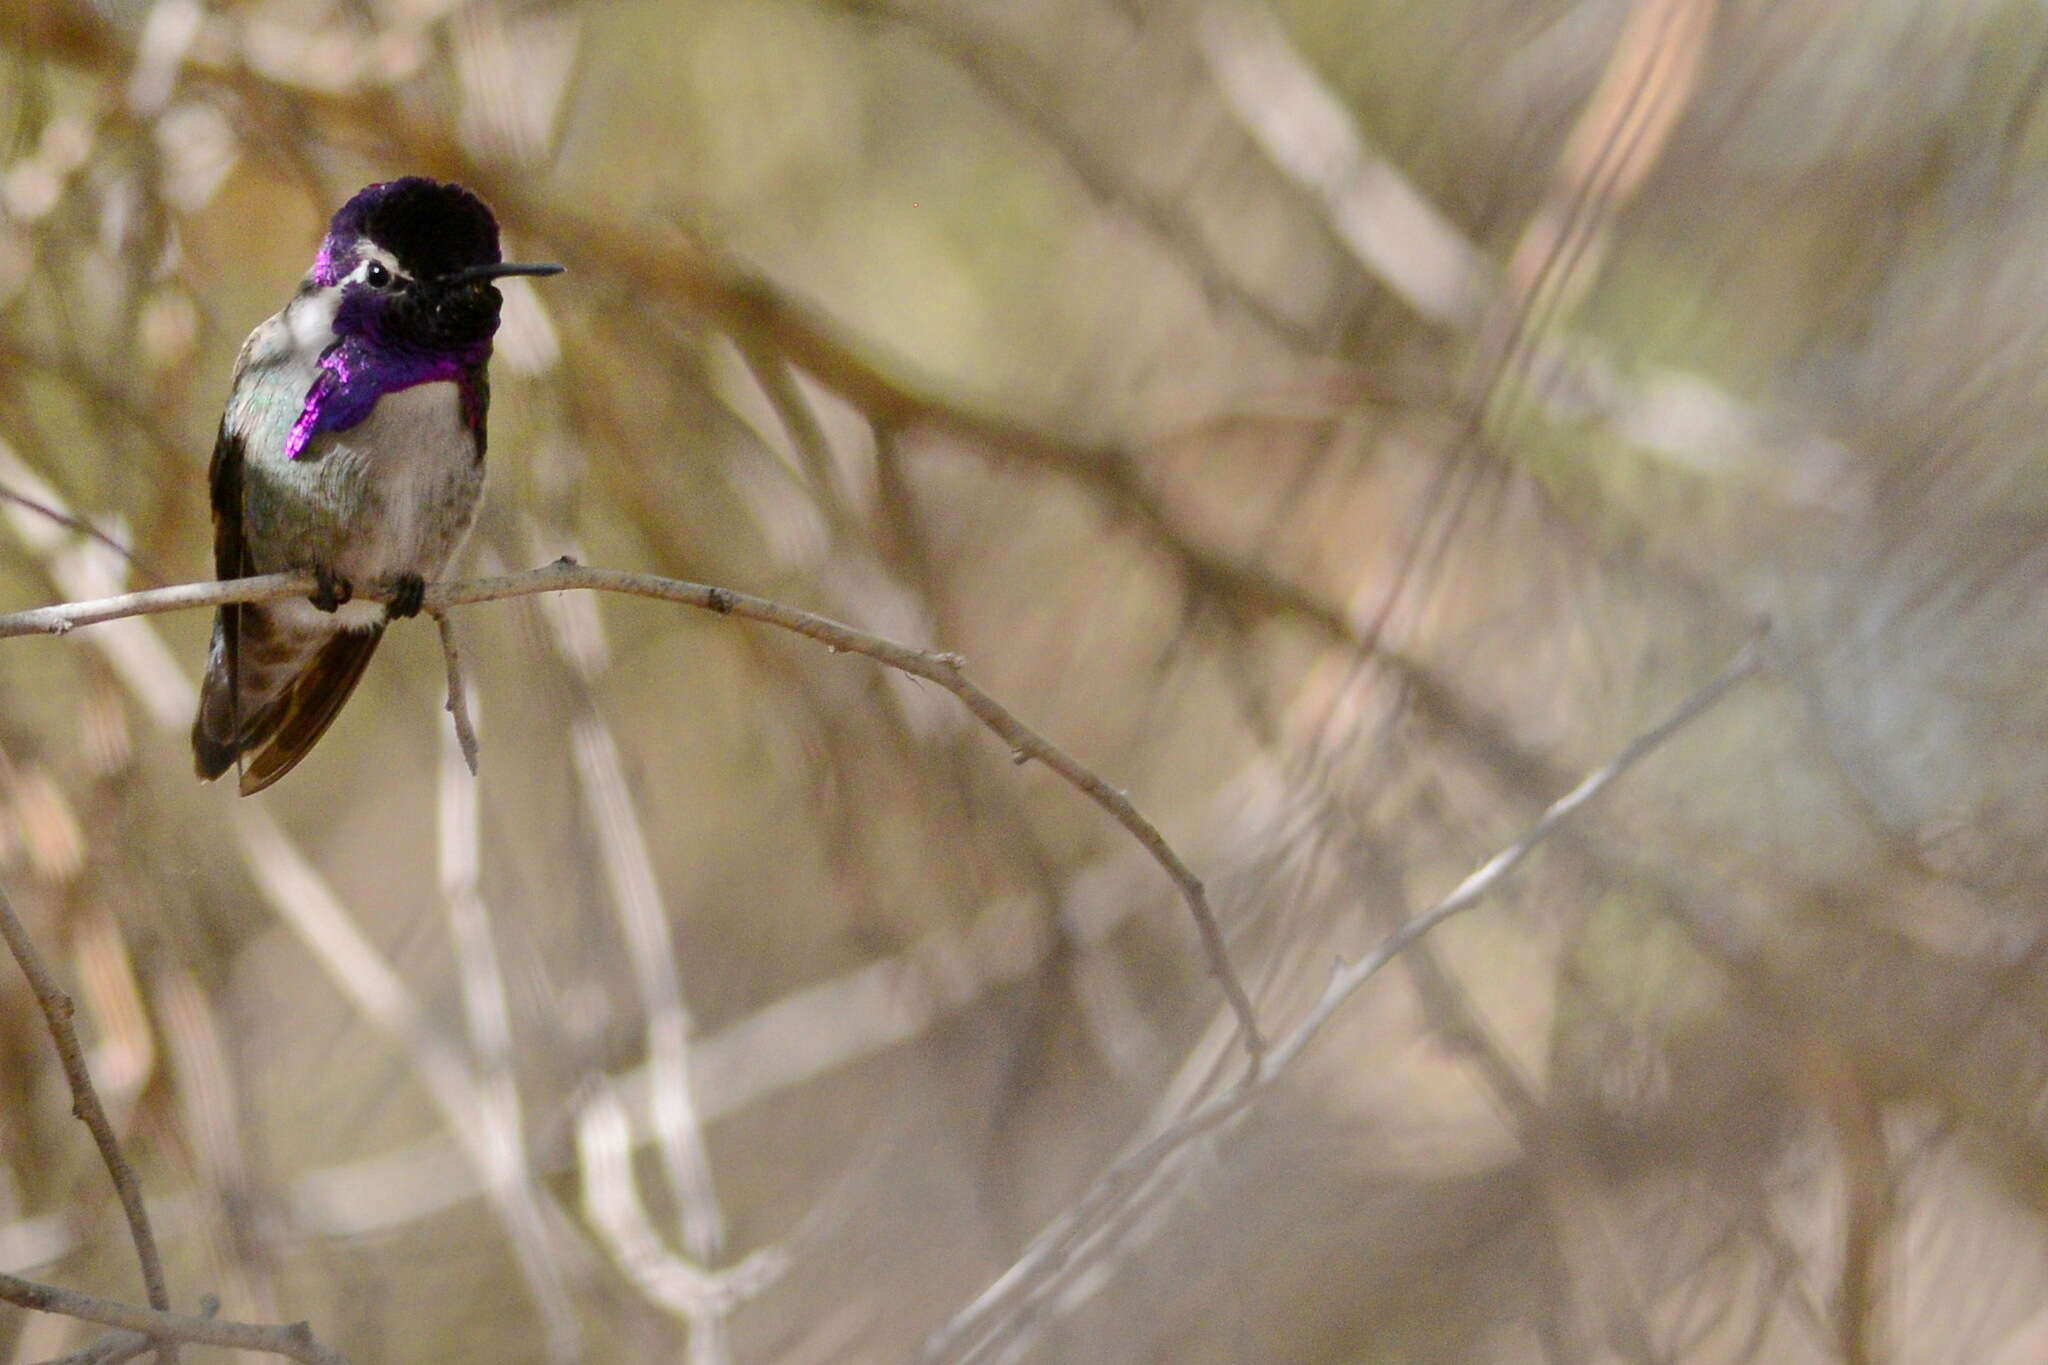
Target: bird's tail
<point x="272" y="688"/>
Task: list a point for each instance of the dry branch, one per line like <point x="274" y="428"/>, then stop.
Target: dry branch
<point x="486" y="1009"/>
<point x="457" y="705"/>
<point x="1086" y="1230"/>
<point x="611" y="1201"/>
<point x="78" y="524"/>
<point x="85" y="1103"/>
<point x="293" y="1340"/>
<point x="946" y="670"/>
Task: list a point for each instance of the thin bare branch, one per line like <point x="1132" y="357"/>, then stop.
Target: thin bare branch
<point x="701" y="1297"/>
<point x="506" y="1165"/>
<point x="946" y="670"/>
<point x="1073" y="1237"/>
<point x="85" y="1102"/>
<point x="115" y="1347"/>
<point x="294" y="1340"/>
<point x="108" y="1350"/>
<point x="457" y="705"/>
<point x="643" y="919"/>
<point x="80" y="525"/>
<point x="1309" y="135"/>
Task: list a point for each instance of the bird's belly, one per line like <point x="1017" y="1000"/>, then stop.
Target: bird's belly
<point x="420" y="483"/>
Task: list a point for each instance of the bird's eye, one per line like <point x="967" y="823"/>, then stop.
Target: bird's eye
<point x="375" y="275"/>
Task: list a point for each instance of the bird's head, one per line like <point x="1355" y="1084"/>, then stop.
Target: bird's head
<point x="414" y="261"/>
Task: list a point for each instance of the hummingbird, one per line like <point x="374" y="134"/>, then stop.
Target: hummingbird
<point x="352" y="448"/>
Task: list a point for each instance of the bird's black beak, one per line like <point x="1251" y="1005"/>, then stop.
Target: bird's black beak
<point x="497" y="268"/>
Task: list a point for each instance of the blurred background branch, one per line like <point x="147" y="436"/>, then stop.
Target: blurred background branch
<point x="57" y="1009"/>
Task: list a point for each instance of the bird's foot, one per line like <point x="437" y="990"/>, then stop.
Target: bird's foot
<point x="330" y="590"/>
<point x="408" y="595"/>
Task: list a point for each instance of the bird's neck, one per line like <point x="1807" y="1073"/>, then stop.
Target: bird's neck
<point x="355" y="371"/>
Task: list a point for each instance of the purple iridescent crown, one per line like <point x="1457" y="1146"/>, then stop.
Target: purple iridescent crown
<point x="434" y="229"/>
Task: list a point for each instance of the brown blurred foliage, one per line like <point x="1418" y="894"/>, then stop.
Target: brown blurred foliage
<point x="1339" y="422"/>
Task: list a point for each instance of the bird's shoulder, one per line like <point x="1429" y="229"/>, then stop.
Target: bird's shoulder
<point x="296" y="333"/>
<point x="275" y="370"/>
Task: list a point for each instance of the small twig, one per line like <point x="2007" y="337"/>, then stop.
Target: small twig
<point x="507" y="1168"/>
<point x="457" y="705"/>
<point x="293" y="1340"/>
<point x="1475" y="887"/>
<point x="80" y="525"/>
<point x="1306" y="132"/>
<point x="700" y="1297"/>
<point x="1072" y="1238"/>
<point x="946" y="670"/>
<point x="85" y="1103"/>
<point x="779" y="384"/>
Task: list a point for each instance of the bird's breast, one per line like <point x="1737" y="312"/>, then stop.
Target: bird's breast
<point x="394" y="494"/>
<point x="420" y="481"/>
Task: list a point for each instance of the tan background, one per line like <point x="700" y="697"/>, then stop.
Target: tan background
<point x="1341" y="423"/>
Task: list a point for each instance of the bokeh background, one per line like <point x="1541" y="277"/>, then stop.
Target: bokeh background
<point x="1341" y="423"/>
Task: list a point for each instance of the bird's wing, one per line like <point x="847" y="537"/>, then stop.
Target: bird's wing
<point x="276" y="676"/>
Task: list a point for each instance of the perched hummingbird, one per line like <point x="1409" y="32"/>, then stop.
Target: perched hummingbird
<point x="352" y="448"/>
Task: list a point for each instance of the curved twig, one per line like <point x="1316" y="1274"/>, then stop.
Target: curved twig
<point x="85" y="1102"/>
<point x="81" y="526"/>
<point x="1077" y="1236"/>
<point x="944" y="669"/>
